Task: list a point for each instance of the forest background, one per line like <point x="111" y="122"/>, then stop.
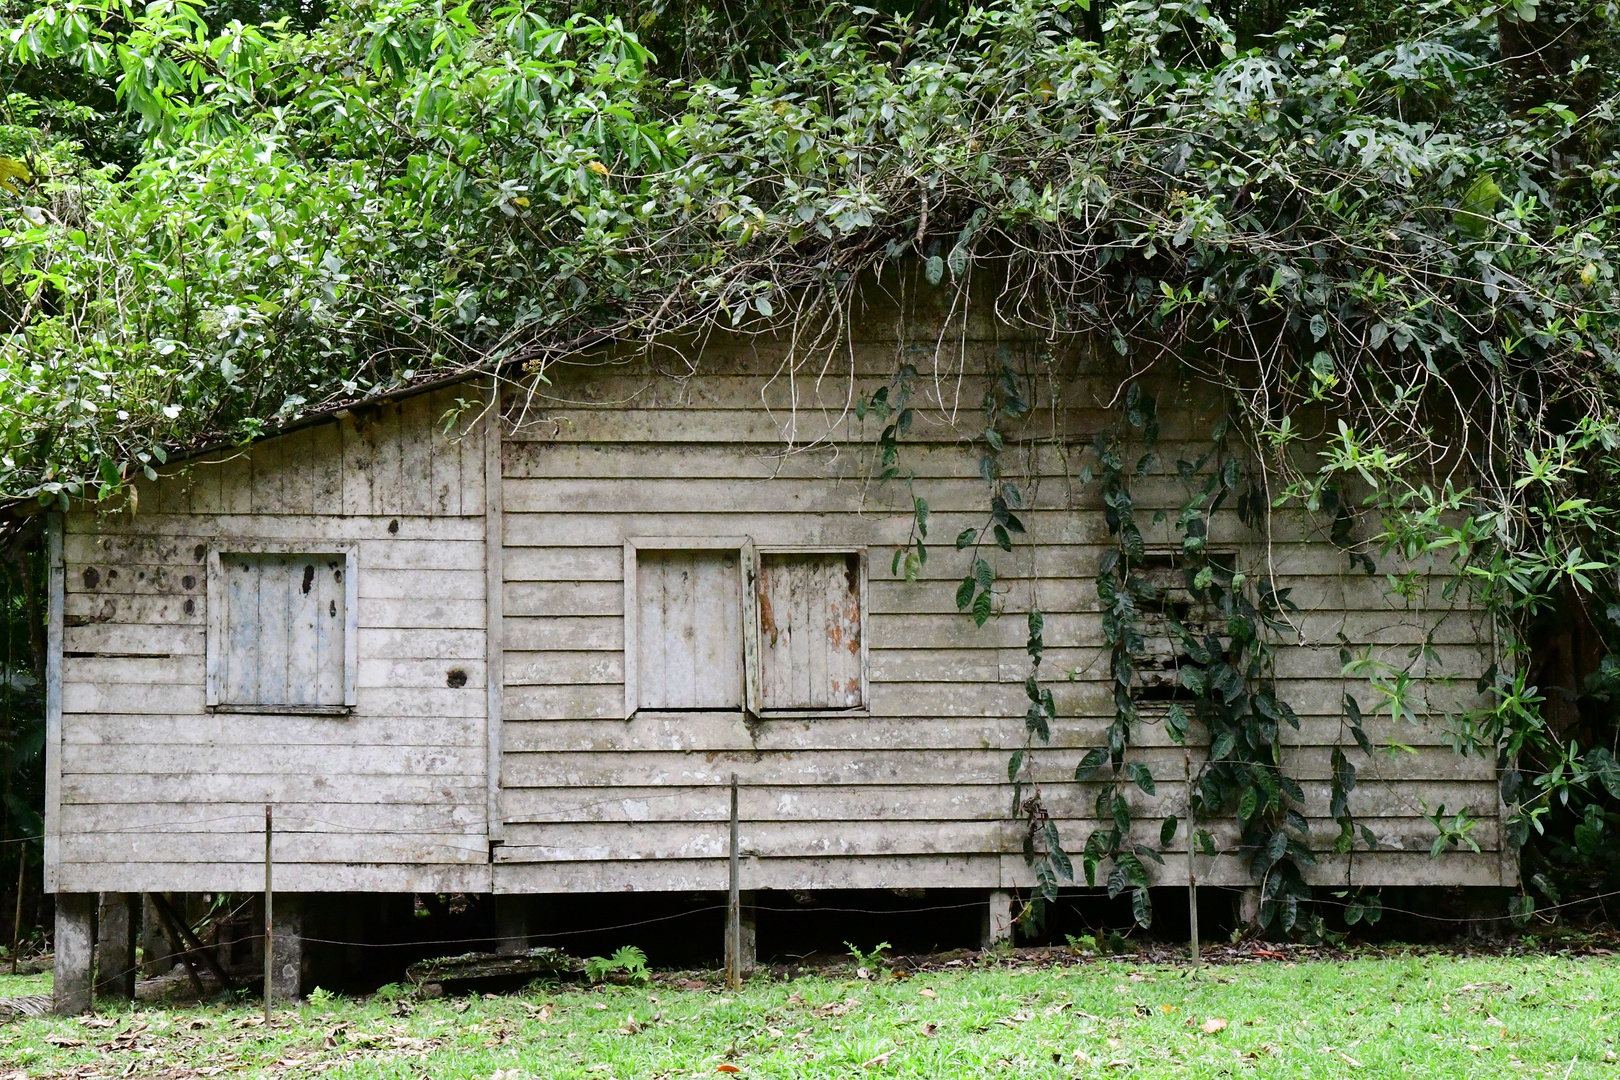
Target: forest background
<point x="1387" y="229"/>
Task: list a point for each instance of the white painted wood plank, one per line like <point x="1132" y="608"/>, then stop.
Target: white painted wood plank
<point x="331" y="761"/>
<point x="382" y="583"/>
<point x="564" y="564"/>
<point x="417" y="439"/>
<point x="526" y="635"/>
<point x="883" y="766"/>
<point x="420" y="643"/>
<point x="313" y="818"/>
<point x="680" y="875"/>
<point x="291" y="846"/>
<point x="548" y="599"/>
<point x="168" y="698"/>
<point x="491" y="439"/>
<point x="206" y="787"/>
<point x="128" y="640"/>
<point x="247" y="731"/>
<point x="55" y="588"/>
<point x="292" y="877"/>
<point x="699" y="732"/>
<point x="943" y="802"/>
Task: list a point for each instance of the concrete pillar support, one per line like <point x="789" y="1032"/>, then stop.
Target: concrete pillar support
<point x="287" y="948"/>
<point x="158" y="953"/>
<point x="115" y="945"/>
<point x="75" y="947"/>
<point x="998" y="920"/>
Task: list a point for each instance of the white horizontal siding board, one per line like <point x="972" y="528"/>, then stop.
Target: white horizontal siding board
<point x="372" y="877"/>
<point x="245" y="732"/>
<point x="317" y="817"/>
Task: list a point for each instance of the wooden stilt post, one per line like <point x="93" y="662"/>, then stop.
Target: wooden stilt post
<point x="1192" y="876"/>
<point x="171" y="923"/>
<point x="734" y="907"/>
<point x="269" y="907"/>
<point x="16" y="926"/>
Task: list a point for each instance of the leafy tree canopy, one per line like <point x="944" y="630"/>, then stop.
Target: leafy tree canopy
<point x="279" y="216"/>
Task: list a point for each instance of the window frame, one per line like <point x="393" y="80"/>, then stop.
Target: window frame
<point x="219" y="621"/>
<point x="860" y="552"/>
<point x="748" y="565"/>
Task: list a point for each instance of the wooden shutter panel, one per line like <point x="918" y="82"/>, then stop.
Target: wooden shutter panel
<point x="811" y="651"/>
<point x="284" y="634"/>
<point x="689" y="648"/>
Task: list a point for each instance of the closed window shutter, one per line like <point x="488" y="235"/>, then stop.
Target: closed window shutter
<point x="689" y="630"/>
<point x="284" y="634"/>
<point x="810" y="631"/>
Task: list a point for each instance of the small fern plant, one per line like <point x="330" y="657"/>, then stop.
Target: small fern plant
<point x="628" y="959"/>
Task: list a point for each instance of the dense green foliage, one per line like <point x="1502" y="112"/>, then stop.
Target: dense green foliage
<point x="1387" y="231"/>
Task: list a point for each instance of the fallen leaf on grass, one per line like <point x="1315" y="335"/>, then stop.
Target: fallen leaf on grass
<point x="727" y="1069"/>
<point x="1212" y="1025"/>
<point x="1348" y="1060"/>
<point x="63" y="1041"/>
<point x="879" y="1061"/>
<point x="929" y="1029"/>
<point x="927" y="993"/>
<point x="100" y="1022"/>
<point x="631" y="1026"/>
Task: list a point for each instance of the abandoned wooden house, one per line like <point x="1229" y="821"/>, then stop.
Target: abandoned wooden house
<point x="523" y="649"/>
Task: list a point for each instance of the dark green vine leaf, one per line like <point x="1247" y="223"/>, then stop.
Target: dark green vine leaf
<point x="965" y="538"/>
<point x="1122" y="815"/>
<point x="934" y="270"/>
<point x="1095" y="759"/>
<point x="1014" y="764"/>
<point x="1142" y="907"/>
<point x="1054" y="850"/>
<point x="982" y="573"/>
<point x="1167" y="831"/>
<point x="981" y="608"/>
<point x="1036" y="724"/>
<point x="1175" y="723"/>
<point x="1248" y="804"/>
<point x="964" y="593"/>
<point x="1142" y="777"/>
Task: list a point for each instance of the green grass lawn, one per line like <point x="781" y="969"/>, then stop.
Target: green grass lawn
<point x="21" y="985"/>
<point x="1418" y="1015"/>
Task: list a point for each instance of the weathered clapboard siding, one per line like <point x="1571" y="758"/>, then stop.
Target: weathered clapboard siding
<point x="159" y="793"/>
<point x="888" y="717"/>
<point x="912" y="789"/>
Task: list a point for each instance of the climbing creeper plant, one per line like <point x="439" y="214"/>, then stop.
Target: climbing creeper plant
<point x="1223" y="686"/>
